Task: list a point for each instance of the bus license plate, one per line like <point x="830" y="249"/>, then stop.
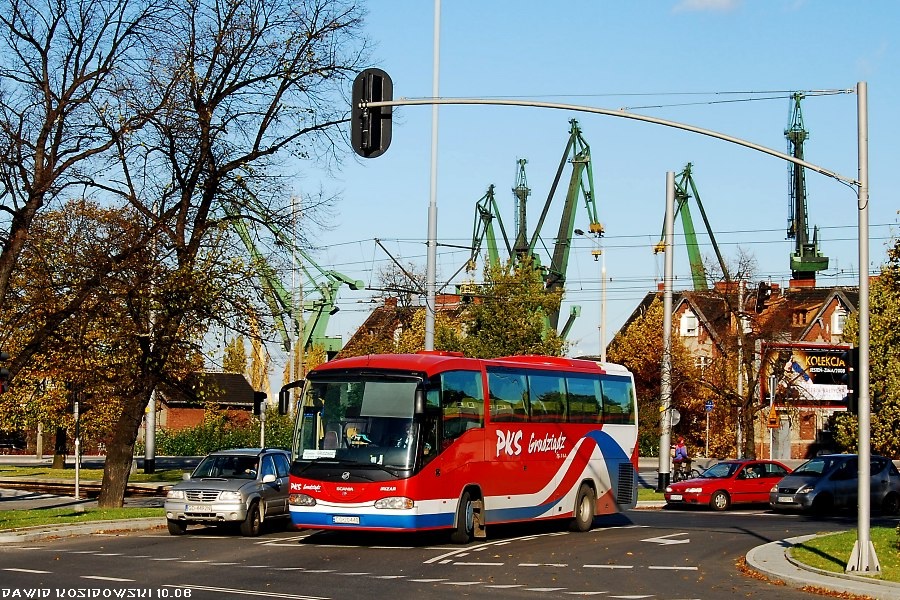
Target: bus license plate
<point x="344" y="520"/>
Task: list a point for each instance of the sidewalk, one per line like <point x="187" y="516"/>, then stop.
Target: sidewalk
<point x="772" y="560"/>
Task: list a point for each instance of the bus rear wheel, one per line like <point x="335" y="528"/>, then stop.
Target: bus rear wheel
<point x="465" y="521"/>
<point x="583" y="517"/>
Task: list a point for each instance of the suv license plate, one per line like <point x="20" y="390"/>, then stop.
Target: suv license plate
<point x="344" y="520"/>
<point x="198" y="508"/>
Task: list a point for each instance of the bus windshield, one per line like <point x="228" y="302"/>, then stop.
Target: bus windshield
<point x="355" y="420"/>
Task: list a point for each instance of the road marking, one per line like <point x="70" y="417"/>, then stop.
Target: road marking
<point x="27" y="571"/>
<point x="666" y="541"/>
<point x="429" y="580"/>
<point x="507" y="586"/>
<point x="460" y="583"/>
<point x="101" y="578"/>
<point x="245" y="592"/>
<point x="607" y="566"/>
<point x="560" y="565"/>
<point x="672" y="568"/>
<point x="543" y="589"/>
<point x="479" y="564"/>
<point x="463" y="551"/>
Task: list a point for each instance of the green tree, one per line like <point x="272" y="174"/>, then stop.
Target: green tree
<point x="235" y="359"/>
<point x="509" y="315"/>
<point x="884" y="356"/>
<point x="640" y="348"/>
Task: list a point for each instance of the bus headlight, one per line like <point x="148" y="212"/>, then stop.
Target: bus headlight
<point x="395" y="502"/>
<point x="301" y="500"/>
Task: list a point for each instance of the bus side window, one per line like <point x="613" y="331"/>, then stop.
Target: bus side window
<point x="509" y="393"/>
<point x="618" y="401"/>
<point x="583" y="393"/>
<point x="547" y="398"/>
<point x="462" y="403"/>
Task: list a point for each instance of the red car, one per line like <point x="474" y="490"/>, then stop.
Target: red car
<point x="728" y="482"/>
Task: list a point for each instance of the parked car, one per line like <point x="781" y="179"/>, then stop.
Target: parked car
<point x="245" y="487"/>
<point x="728" y="482"/>
<point x="829" y="482"/>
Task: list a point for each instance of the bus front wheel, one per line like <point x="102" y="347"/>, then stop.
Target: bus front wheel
<point x="465" y="521"/>
<point x="583" y="517"/>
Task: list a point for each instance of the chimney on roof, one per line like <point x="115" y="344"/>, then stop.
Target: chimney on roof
<point x="390" y="302"/>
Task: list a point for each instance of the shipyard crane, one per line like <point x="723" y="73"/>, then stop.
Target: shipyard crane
<point x="581" y="183"/>
<point x="806" y="259"/>
<point x="319" y="297"/>
<point x="685" y="188"/>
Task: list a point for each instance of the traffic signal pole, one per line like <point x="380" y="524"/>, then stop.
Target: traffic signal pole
<point x="863" y="558"/>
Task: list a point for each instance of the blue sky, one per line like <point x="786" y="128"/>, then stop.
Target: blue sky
<point x="673" y="59"/>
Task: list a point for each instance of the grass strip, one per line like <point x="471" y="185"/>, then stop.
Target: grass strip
<point x="17" y="519"/>
<point x="831" y="552"/>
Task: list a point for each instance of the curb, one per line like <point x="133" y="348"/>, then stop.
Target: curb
<point x="773" y="560"/>
<point x="41" y="532"/>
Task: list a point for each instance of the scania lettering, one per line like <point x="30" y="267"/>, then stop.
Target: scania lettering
<point x="434" y="440"/>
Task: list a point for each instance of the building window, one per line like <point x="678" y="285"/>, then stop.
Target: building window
<point x="702" y="362"/>
<point x="838" y="320"/>
<point x="688" y="324"/>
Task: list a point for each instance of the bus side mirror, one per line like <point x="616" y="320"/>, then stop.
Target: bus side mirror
<point x="284" y="401"/>
<point x="420" y="401"/>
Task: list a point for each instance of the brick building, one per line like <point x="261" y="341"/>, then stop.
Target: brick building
<point x="807" y="317"/>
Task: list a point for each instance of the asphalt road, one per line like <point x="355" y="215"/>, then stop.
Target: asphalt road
<point x="665" y="554"/>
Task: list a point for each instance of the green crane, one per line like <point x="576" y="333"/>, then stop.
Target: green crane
<point x="581" y="183"/>
<point x="685" y="188"/>
<point x="806" y="259"/>
<point x="319" y="298"/>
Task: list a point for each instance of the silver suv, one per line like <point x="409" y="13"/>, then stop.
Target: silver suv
<point x="245" y="486"/>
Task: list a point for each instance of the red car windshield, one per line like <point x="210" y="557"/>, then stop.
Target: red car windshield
<point x="722" y="470"/>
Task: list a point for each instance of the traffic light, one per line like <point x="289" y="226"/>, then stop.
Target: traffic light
<point x="762" y="295"/>
<point x="851" y="378"/>
<point x="370" y="128"/>
<point x="258" y="399"/>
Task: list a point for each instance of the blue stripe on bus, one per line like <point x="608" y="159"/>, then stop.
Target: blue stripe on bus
<point x="372" y="521"/>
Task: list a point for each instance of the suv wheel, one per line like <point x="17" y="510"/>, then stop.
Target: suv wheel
<point x="251" y="525"/>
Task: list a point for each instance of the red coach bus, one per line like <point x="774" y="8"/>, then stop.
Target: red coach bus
<point x="413" y="442"/>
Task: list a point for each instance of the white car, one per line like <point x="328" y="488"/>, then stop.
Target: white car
<point x="245" y="487"/>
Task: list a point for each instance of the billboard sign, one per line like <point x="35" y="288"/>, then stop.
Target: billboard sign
<point x="804" y="373"/>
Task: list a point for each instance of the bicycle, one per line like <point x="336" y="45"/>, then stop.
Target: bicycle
<point x="682" y="470"/>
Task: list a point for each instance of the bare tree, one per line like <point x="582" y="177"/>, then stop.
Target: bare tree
<point x="62" y="70"/>
<point x="253" y="81"/>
